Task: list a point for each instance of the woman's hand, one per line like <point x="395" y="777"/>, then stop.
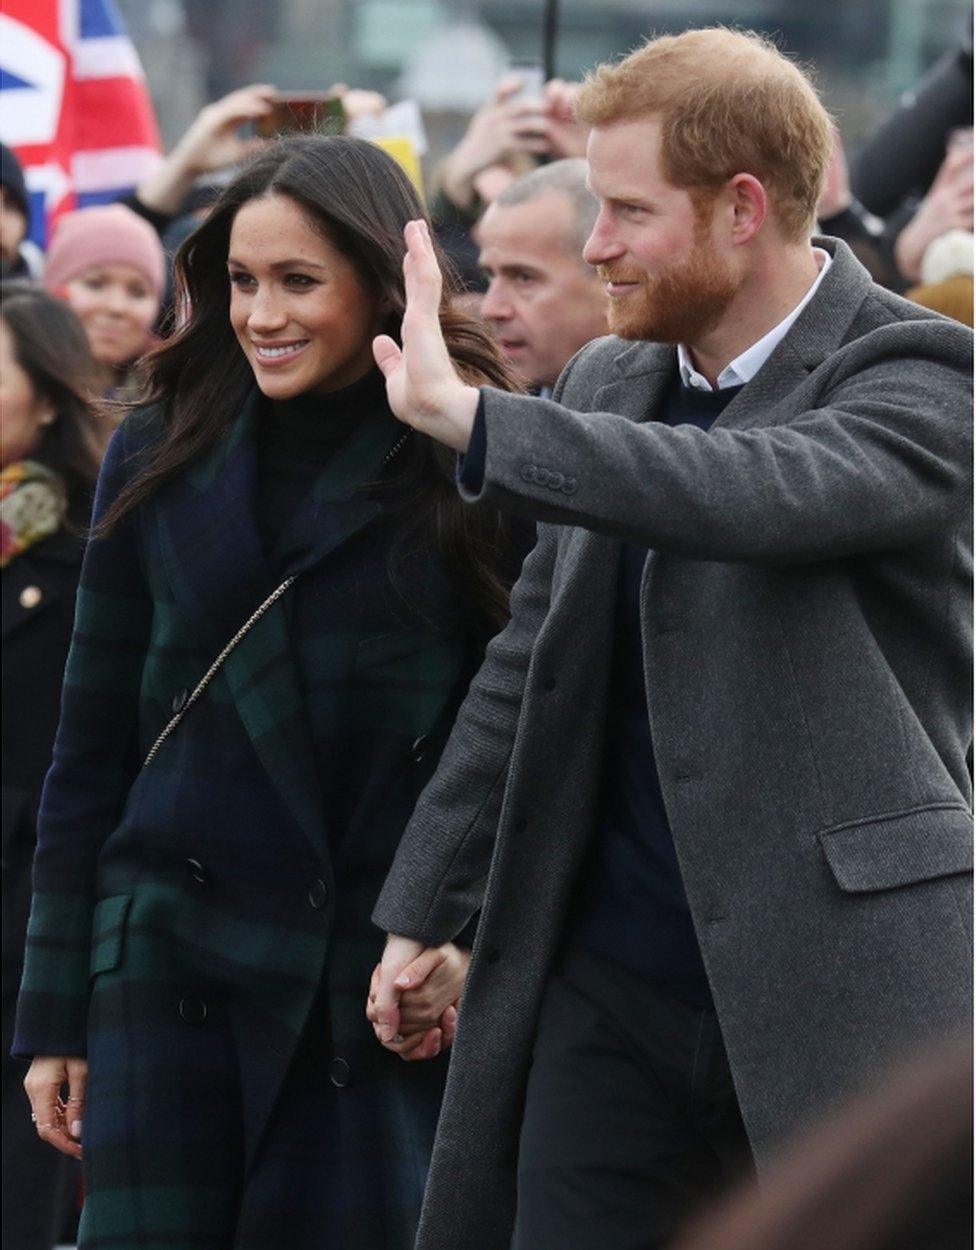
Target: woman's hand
<point x="58" y="1122"/>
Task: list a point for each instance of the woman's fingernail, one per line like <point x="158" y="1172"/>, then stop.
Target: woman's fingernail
<point x="386" y="1033"/>
<point x="402" y="979"/>
<point x="76" y="1128"/>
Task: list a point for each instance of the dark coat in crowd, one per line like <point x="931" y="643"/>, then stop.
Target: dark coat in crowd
<point x="807" y="645"/>
<point x="37" y="590"/>
<point x="200" y="925"/>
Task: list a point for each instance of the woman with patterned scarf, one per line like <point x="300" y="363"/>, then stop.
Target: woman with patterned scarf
<point x="50" y="447"/>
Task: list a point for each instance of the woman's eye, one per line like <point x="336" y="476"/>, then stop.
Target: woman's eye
<point x="300" y="280"/>
<point x="240" y="279"/>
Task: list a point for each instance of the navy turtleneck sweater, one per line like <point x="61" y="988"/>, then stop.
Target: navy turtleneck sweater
<point x="296" y="437"/>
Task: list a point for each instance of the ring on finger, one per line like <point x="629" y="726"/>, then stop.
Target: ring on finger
<point x="71" y="1100"/>
<point x="397" y="1039"/>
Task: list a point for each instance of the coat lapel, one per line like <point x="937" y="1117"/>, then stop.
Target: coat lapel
<point x="815" y="335"/>
<point x="212" y="550"/>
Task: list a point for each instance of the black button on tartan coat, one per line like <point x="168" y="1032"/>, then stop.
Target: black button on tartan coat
<point x="200" y="926"/>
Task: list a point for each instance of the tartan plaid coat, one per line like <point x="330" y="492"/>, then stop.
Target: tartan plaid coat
<point x="201" y="926"/>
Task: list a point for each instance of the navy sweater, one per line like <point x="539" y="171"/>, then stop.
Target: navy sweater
<point x="631" y="906"/>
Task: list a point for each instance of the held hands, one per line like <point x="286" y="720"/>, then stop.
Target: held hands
<point x="413" y="996"/>
<point x="421" y="384"/>
<point x="58" y="1121"/>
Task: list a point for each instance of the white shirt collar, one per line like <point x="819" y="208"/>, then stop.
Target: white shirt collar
<point x="746" y="365"/>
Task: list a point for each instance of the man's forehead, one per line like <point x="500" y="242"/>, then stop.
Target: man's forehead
<point x="539" y="228"/>
<point x="623" y="154"/>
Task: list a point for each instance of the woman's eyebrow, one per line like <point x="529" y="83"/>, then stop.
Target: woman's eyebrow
<point x="280" y="264"/>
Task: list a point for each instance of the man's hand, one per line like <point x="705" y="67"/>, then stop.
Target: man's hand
<point x="58" y="1123"/>
<point x="421" y="384"/>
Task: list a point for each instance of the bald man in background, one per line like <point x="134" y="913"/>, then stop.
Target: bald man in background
<point x="543" y="302"/>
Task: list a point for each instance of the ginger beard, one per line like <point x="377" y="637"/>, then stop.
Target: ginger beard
<point x="679" y="304"/>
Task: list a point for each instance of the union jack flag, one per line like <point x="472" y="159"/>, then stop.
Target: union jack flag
<point x="74" y="105"/>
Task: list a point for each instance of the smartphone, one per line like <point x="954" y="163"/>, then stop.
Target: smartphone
<point x="303" y="113"/>
<point x="533" y="79"/>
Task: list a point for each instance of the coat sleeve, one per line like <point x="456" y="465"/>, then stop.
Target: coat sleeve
<point x="438" y="876"/>
<point x="96" y="757"/>
<point x="881" y="459"/>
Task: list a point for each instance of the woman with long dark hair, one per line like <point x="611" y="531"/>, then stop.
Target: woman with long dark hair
<point x="281" y="608"/>
<point x="51" y="441"/>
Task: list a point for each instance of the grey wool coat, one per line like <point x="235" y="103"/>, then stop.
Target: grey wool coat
<point x="806" y="634"/>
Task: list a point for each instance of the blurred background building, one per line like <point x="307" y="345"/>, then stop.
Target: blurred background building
<point x="447" y="54"/>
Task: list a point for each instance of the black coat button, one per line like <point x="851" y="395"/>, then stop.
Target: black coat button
<point x="193" y="1010"/>
<point x="419" y="749"/>
<point x="198" y="874"/>
<point x="179" y="700"/>
<point x="318" y="894"/>
<point x="549" y="683"/>
<point x="339" y="1073"/>
<point x="521" y="825"/>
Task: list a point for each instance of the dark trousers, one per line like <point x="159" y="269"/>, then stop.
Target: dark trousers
<point x="631" y="1120"/>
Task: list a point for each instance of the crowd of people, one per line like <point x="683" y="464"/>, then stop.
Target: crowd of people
<point x="569" y="582"/>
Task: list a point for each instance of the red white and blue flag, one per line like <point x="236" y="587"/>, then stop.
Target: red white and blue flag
<point x="74" y="105"/>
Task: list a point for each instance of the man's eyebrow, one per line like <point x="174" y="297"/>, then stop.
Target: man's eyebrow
<point x="512" y="266"/>
<point x="280" y="264"/>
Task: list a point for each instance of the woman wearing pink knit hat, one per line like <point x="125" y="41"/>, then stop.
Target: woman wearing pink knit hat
<point x="108" y="263"/>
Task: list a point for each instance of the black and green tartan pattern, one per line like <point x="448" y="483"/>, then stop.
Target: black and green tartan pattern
<point x="201" y="926"/>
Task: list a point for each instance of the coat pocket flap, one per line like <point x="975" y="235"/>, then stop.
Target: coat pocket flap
<point x="107" y="929"/>
<point x="900" y="849"/>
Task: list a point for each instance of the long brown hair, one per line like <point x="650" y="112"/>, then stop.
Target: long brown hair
<point x="50" y="346"/>
<point x="360" y="199"/>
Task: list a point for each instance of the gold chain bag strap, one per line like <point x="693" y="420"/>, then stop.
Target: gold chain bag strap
<point x="253" y="619"/>
<point x="206" y="679"/>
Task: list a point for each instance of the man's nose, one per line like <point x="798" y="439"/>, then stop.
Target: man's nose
<point x="496" y="306"/>
<point x="602" y="247"/>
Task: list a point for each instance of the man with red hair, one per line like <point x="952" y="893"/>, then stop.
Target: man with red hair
<point x="709" y="791"/>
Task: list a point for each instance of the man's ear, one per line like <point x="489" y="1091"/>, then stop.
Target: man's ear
<point x="749" y="204"/>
